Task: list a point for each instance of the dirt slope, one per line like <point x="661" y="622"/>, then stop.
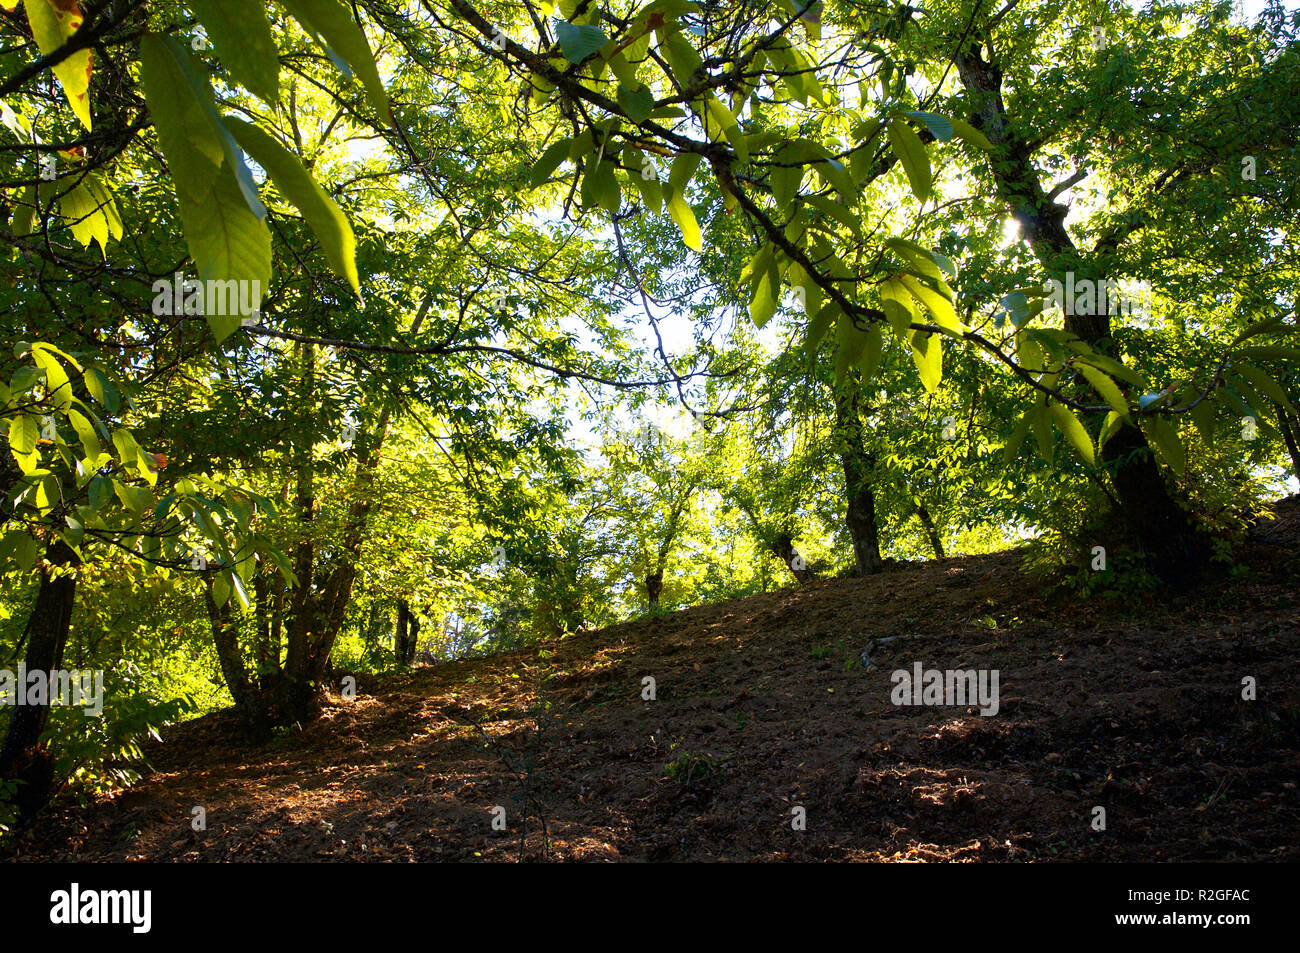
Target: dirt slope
<point x="763" y="704"/>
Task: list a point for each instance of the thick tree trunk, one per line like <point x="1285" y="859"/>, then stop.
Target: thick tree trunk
<point x="1157" y="524"/>
<point x="860" y="515"/>
<point x="654" y="587"/>
<point x="23" y="758"/>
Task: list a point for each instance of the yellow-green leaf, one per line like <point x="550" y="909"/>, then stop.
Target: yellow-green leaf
<point x="1074" y="433"/>
<point x="681" y="213"/>
<point x="327" y="222"/>
<point x="1106" y="387"/>
<point x="53" y="23"/>
<point x="332" y="23"/>
<point x="911" y="153"/>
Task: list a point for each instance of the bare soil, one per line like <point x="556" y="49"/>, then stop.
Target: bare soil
<point x="763" y="705"/>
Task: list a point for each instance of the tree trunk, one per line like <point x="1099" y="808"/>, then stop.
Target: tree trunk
<point x="400" y="630"/>
<point x="1290" y="427"/>
<point x="225" y="636"/>
<point x="783" y="546"/>
<point x="654" y="587"/>
<point x="935" y="542"/>
<point x="860" y="517"/>
<point x="1157" y="524"/>
<point x="23" y="757"/>
<point x="408" y="629"/>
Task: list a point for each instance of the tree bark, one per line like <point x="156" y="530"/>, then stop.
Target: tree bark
<point x="408" y="629"/>
<point x="23" y="758"/>
<point x="654" y="587"/>
<point x="783" y="547"/>
<point x="225" y="637"/>
<point x="860" y="515"/>
<point x="935" y="542"/>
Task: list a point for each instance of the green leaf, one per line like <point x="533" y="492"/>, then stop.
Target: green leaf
<point x="56" y="378"/>
<point x="1270" y="350"/>
<point x="1165" y="436"/>
<point x="90" y="212"/>
<point x="327" y="222"/>
<point x="1074" y="433"/>
<point x="785" y="178"/>
<point x="928" y="263"/>
<point x="683" y="168"/>
<point x="221" y="589"/>
<point x="897" y="304"/>
<point x="872" y="350"/>
<point x="241" y="35"/>
<point x="578" y="42"/>
<point x="19" y="547"/>
<point x="332" y="23"/>
<point x="228" y="242"/>
<point x="637" y="105"/>
<point x="555" y="153"/>
<point x="937" y="304"/>
<point x="1112" y="367"/>
<point x="819" y="325"/>
<point x="835" y="210"/>
<point x="833" y="173"/>
<point x="940" y="127"/>
<point x="101" y="388"/>
<point x="766" y="283"/>
<point x="600" y="187"/>
<point x="1041" y="422"/>
<point x="683" y="60"/>
<point x="1260" y="327"/>
<point x="907" y="146"/>
<point x="652" y="193"/>
<point x="86" y="433"/>
<point x="1017" y="437"/>
<point x="1203" y="418"/>
<point x="197" y="146"/>
<point x="809" y="292"/>
<point x="101" y="489"/>
<point x="1265" y="385"/>
<point x="128" y="451"/>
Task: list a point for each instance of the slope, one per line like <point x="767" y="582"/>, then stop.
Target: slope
<point x="766" y="704"/>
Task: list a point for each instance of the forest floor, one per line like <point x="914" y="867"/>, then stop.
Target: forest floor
<point x="762" y="705"/>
